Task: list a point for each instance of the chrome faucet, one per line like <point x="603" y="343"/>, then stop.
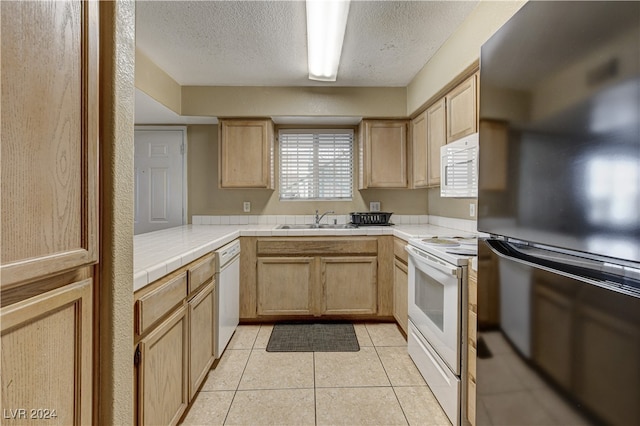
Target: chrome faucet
<point x="319" y="218"/>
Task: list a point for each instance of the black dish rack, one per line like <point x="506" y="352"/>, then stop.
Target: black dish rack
<point x="370" y="218"/>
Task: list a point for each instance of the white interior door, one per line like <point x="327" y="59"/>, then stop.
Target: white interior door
<point x="159" y="178"/>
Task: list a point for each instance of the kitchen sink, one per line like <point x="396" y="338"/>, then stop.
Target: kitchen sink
<point x="322" y="226"/>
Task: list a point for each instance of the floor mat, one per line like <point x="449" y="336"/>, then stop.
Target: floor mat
<point x="313" y="337"/>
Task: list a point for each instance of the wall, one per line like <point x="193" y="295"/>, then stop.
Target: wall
<point x="450" y="207"/>
<point x="206" y="198"/>
<point x="156" y="83"/>
<point x="113" y="387"/>
<point x="370" y="102"/>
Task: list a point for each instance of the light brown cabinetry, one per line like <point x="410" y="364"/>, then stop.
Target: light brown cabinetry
<point x="419" y="152"/>
<point x="446" y="120"/>
<point x="382" y="153"/>
<point x="349" y="285"/>
<point x="472" y="341"/>
<point x="246" y="153"/>
<point x="49" y="207"/>
<point x="312" y="276"/>
<point x="163" y="371"/>
<point x="462" y="110"/>
<point x="47" y="355"/>
<point x="201" y="336"/>
<point x="285" y="286"/>
<point x="400" y="285"/>
<point x="175" y="340"/>
<point x="436" y="139"/>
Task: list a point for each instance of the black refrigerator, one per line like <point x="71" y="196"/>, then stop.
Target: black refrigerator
<point x="559" y="195"/>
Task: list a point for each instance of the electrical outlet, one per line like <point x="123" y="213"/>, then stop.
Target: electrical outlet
<point x="472" y="210"/>
<point x="246" y="206"/>
<point x="374" y="206"/>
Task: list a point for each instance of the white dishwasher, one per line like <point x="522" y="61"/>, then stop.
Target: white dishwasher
<point x="228" y="294"/>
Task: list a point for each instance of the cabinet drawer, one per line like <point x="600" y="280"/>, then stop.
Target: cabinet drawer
<point x="300" y="246"/>
<point x="399" y="251"/>
<point x="201" y="272"/>
<point x="154" y="305"/>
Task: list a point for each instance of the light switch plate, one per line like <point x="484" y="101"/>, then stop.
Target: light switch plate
<point x="472" y="209"/>
<point x="246" y="206"/>
<point x="374" y="206"/>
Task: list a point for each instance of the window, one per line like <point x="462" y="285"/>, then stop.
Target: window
<point x="316" y="164"/>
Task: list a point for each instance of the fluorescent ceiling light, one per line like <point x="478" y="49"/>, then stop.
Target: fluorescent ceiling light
<point x="326" y="23"/>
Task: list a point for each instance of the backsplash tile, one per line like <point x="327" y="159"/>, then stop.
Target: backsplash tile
<point x="398" y="219"/>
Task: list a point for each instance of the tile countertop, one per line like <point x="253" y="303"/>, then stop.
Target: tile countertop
<point x="156" y="254"/>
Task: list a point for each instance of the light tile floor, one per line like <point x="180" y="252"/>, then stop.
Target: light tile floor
<point x="379" y="385"/>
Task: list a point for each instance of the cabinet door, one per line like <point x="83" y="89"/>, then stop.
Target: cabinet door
<point x="384" y="154"/>
<point x="419" y="152"/>
<point x="47" y="354"/>
<point x="285" y="286"/>
<point x="436" y="138"/>
<point x="349" y="285"/>
<point x="163" y="372"/>
<point x="462" y="110"/>
<point x="201" y="336"/>
<point x="246" y="154"/>
<point x="401" y="294"/>
<point x="49" y="127"/>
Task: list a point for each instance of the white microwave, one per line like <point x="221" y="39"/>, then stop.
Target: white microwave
<point x="459" y="168"/>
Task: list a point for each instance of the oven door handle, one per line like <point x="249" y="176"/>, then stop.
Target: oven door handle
<point x="420" y="258"/>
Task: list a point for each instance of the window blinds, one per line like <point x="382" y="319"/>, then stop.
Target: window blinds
<point x="316" y="164"/>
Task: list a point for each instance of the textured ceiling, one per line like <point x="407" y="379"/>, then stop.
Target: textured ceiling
<point x="263" y="43"/>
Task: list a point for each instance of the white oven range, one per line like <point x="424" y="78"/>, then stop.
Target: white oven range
<point x="437" y="322"/>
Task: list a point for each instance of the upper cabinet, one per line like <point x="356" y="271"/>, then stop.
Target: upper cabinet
<point x="246" y="154"/>
<point x="382" y="149"/>
<point x="462" y="110"/>
<point x="448" y="119"/>
<point x="49" y="68"/>
<point x="419" y="151"/>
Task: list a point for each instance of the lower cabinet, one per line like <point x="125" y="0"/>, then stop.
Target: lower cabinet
<point x="285" y="286"/>
<point x="201" y="336"/>
<point x="47" y="343"/>
<point x="175" y="338"/>
<point x="401" y="284"/>
<point x="163" y="371"/>
<point x="349" y="285"/>
<point x="317" y="285"/>
<point x="309" y="276"/>
<point x="401" y="294"/>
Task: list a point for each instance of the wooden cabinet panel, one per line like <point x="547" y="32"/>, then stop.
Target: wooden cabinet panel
<point x="401" y="294"/>
<point x="246" y="154"/>
<point x="200" y="273"/>
<point x="349" y="285"/>
<point x="399" y="251"/>
<point x="419" y="152"/>
<point x="472" y="344"/>
<point x="154" y="305"/>
<point x="49" y="127"/>
<point x="285" y="286"/>
<point x="47" y="352"/>
<point x="462" y="110"/>
<point x="317" y="245"/>
<point x="163" y="372"/>
<point x="383" y="154"/>
<point x="436" y="138"/>
<point x="201" y="336"/>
